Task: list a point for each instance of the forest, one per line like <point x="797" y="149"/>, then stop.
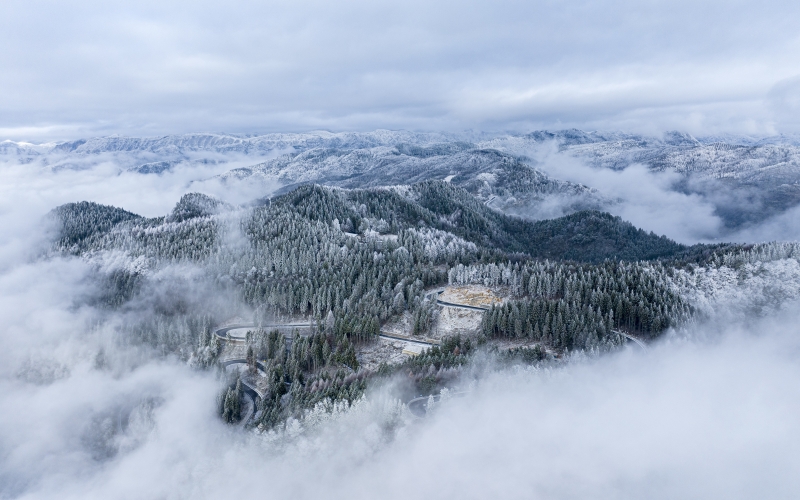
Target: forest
<point x="351" y="260"/>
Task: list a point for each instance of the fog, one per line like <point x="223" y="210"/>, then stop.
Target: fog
<point x="684" y="207"/>
<point x="649" y="200"/>
<point x="708" y="413"/>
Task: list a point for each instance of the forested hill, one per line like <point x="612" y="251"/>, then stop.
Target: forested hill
<point x="592" y="236"/>
<point x="586" y="236"/>
<point x="76" y="222"/>
<point x="356" y="258"/>
<point x="353" y="261"/>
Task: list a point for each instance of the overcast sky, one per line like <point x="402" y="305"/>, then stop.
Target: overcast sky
<point x="78" y="68"/>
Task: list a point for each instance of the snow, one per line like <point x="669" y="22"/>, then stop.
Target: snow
<point x="472" y="295"/>
<point x="454" y="321"/>
<point x="371" y="356"/>
<point x="759" y="288"/>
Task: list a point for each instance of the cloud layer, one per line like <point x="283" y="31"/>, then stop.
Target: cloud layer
<point x="86" y="67"/>
<point x="712" y="418"/>
<point x="649" y="200"/>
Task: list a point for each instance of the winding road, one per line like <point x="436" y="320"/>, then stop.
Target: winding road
<point x="222" y="333"/>
<point x="419" y="406"/>
<point x="632" y="339"/>
<point x="252" y="392"/>
<point x="444" y="303"/>
<point x="416" y="405"/>
<point x="461" y="306"/>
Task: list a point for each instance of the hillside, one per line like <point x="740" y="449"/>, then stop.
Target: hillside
<point x="746" y="180"/>
<point x="587" y="236"/>
<point x="349" y="262"/>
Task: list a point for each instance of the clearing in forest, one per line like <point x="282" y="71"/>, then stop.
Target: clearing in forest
<point x="471" y="295"/>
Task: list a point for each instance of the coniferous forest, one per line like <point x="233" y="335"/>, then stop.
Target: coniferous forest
<point x="349" y="261"/>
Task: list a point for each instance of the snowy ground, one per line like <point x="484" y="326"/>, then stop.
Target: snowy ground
<point x="233" y="351"/>
<point x="401" y="325"/>
<point x="454" y="321"/>
<point x="382" y="351"/>
<point x="472" y="295"/>
<point x="256" y="379"/>
<point x="759" y="289"/>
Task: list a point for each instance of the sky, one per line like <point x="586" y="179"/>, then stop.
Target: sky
<point x="85" y="68"/>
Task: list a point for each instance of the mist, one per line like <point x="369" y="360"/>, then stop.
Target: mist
<point x="649" y="200"/>
<point x="92" y="407"/>
<point x="683" y="207"/>
<point x="709" y="412"/>
<point x="691" y="419"/>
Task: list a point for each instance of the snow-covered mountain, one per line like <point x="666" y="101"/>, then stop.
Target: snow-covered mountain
<point x="224" y="143"/>
<point x="746" y="179"/>
<point x="499" y="179"/>
<point x="160" y="154"/>
<point x="773" y="159"/>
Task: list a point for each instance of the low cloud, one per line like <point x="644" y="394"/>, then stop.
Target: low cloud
<point x="688" y="419"/>
<point x="781" y="227"/>
<point x="649" y="200"/>
<point x="711" y="418"/>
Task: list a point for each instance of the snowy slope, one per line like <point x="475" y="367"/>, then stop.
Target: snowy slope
<point x="499" y="179"/>
<point x="223" y="143"/>
<point x="747" y="180"/>
<point x="756" y="283"/>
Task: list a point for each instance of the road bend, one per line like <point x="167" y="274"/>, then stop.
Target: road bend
<point x="633" y="339"/>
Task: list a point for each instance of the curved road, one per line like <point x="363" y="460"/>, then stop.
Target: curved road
<point x="638" y="342"/>
<point x="460" y="306"/>
<point x="444" y="303"/>
<point x="416" y="405"/>
<point x="436" y="293"/>
<point x="222" y="333"/>
<point x="252" y="392"/>
<point x="419" y="406"/>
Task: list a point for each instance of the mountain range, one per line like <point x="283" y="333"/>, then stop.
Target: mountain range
<point x="747" y="180"/>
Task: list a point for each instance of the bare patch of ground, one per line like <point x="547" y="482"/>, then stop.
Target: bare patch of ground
<point x="391" y="352"/>
<point x="454" y="321"/>
<point x="472" y="295"/>
<point x="506" y="344"/>
<point x="233" y="351"/>
<point x="400" y="325"/>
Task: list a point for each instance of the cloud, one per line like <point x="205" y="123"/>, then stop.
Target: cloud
<point x="782" y="227"/>
<point x="784" y="100"/>
<point x="712" y="418"/>
<point x="85" y="67"/>
<point x="686" y="208"/>
<point x="649" y="200"/>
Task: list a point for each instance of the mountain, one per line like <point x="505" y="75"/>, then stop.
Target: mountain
<point x="223" y="143"/>
<point x="350" y="262"/>
<point x="747" y="180"/>
<point x="586" y="236"/>
<point x="499" y="179"/>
